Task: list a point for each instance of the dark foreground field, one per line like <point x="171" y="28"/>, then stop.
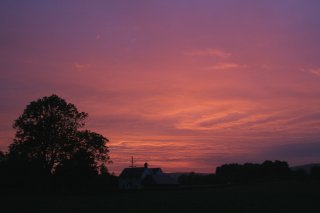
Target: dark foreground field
<point x="267" y="197"/>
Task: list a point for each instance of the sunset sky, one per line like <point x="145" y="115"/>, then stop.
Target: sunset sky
<point x="185" y="85"/>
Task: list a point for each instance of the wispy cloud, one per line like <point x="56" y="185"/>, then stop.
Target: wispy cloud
<point x="80" y="67"/>
<point x="226" y="66"/>
<point x="209" y="53"/>
<point x="315" y="71"/>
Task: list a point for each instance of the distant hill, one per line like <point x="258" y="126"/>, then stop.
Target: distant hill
<point x="307" y="167"/>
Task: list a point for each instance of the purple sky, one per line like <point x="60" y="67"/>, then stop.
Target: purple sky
<point x="181" y="84"/>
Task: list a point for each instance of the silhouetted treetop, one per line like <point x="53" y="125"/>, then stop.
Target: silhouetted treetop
<point x="249" y="171"/>
<point x="48" y="132"/>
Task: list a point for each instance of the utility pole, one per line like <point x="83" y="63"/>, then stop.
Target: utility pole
<point x="132" y="162"/>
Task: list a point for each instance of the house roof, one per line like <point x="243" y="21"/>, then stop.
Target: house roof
<point x="132" y="172"/>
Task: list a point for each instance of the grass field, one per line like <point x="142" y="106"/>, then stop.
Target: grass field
<point x="260" y="198"/>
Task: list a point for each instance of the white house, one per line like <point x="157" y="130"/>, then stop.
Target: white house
<point x="144" y="177"/>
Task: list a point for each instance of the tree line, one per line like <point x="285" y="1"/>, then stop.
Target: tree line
<point x="250" y="172"/>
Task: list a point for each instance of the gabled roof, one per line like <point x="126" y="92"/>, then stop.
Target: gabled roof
<point x="132" y="172"/>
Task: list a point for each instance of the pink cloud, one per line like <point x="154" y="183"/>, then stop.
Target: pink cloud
<point x="226" y="66"/>
<point x="81" y="67"/>
<point x="315" y="71"/>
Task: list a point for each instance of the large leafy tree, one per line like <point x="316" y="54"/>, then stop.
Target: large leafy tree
<point x="49" y="133"/>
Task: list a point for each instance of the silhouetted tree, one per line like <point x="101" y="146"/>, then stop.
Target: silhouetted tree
<point x="315" y="173"/>
<point x="275" y="170"/>
<point x="106" y="181"/>
<point x="2" y="162"/>
<point x="230" y="172"/>
<point x="2" y="157"/>
<point x="300" y="175"/>
<point x="103" y="170"/>
<point x="81" y="164"/>
<point x="268" y="170"/>
<point x="196" y="179"/>
<point x="48" y="135"/>
<point x="77" y="173"/>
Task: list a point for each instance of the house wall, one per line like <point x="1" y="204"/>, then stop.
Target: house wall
<point x="130" y="183"/>
<point x="137" y="183"/>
